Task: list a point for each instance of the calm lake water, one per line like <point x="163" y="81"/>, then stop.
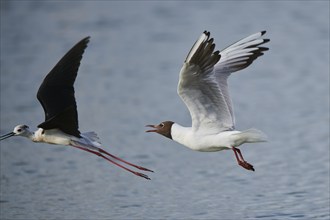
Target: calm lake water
<point x="128" y="79"/>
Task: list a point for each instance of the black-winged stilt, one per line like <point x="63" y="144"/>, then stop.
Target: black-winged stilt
<point x="56" y="95"/>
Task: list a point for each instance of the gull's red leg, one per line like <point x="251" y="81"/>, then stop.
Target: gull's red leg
<point x="125" y="168"/>
<point x="237" y="158"/>
<point x="124" y="161"/>
<point x="240" y="159"/>
<point x="240" y="154"/>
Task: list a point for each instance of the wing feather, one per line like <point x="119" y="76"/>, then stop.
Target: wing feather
<point x="56" y="93"/>
<point x="236" y="57"/>
<point x="199" y="90"/>
<point x="203" y="77"/>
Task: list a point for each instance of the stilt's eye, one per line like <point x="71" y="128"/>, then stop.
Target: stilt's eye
<point x="19" y="130"/>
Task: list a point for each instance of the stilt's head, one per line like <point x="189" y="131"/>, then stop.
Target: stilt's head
<point x="19" y="130"/>
<point x="163" y="128"/>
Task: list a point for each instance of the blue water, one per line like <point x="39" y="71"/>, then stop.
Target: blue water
<point x="128" y="79"/>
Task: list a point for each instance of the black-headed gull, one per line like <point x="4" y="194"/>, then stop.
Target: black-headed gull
<point x="56" y="95"/>
<point x="203" y="88"/>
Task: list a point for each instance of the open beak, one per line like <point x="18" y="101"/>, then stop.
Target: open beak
<point x="7" y="136"/>
<point x="152" y="126"/>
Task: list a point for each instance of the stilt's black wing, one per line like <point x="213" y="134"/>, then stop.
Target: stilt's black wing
<point x="56" y="93"/>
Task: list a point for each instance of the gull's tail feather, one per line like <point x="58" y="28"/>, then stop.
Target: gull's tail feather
<point x="251" y="135"/>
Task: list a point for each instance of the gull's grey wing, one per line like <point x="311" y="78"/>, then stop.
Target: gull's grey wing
<point x="199" y="90"/>
<point x="236" y="57"/>
<point x="56" y="93"/>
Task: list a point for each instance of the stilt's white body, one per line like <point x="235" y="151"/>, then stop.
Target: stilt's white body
<point x="51" y="136"/>
<point x="88" y="140"/>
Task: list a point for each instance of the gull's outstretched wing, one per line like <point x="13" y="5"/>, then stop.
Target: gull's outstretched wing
<point x="203" y="80"/>
<point x="199" y="90"/>
<point x="236" y="57"/>
<point x="56" y="93"/>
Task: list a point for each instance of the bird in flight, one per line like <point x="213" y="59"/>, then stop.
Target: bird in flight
<point x="56" y="95"/>
<point x="203" y="88"/>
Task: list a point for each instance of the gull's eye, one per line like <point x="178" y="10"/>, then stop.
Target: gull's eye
<point x="161" y="124"/>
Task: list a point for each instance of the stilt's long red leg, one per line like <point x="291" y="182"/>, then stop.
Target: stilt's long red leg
<point x="124" y="161"/>
<point x="119" y="165"/>
<point x="240" y="159"/>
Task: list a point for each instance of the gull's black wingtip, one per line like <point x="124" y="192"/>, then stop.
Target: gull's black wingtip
<point x="207" y="33"/>
<point x="263" y="32"/>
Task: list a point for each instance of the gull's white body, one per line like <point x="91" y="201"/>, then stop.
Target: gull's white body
<point x="202" y="141"/>
<point x="206" y="142"/>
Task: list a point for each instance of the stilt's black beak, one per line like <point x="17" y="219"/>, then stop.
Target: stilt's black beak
<point x="7" y="136"/>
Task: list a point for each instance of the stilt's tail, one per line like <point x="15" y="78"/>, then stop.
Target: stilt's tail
<point x="250" y="136"/>
<point x="93" y="136"/>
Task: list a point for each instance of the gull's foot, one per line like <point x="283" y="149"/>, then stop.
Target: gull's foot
<point x="246" y="165"/>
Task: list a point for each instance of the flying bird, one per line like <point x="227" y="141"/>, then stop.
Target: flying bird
<point x="203" y="88"/>
<point x="56" y="95"/>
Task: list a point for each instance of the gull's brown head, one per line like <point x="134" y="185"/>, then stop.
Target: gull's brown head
<point x="163" y="128"/>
